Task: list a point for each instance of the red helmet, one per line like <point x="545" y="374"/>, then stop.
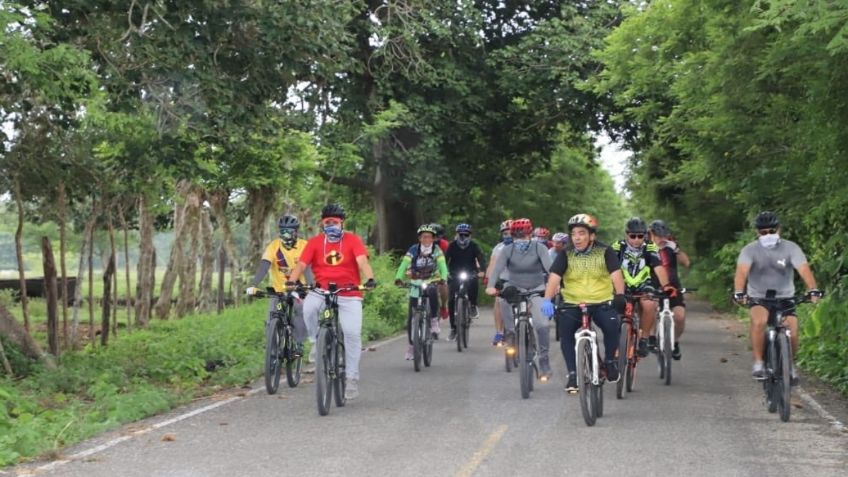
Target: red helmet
<point x="521" y="227"/>
<point x="541" y="233"/>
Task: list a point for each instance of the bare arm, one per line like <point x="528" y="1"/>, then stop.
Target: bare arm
<point x="683" y="259"/>
<point x="617" y="282"/>
<point x="741" y="276"/>
<point x="662" y="274"/>
<point x="552" y="286"/>
<point x="807" y="275"/>
<point x="298" y="271"/>
<point x="365" y="267"/>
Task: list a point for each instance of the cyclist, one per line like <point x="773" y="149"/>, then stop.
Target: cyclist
<point x="527" y="263"/>
<point x="443" y="287"/>
<point x="280" y="256"/>
<point x="640" y="264"/>
<point x="425" y="261"/>
<point x="340" y="257"/>
<point x="767" y="264"/>
<point x="559" y="241"/>
<point x="670" y="256"/>
<point x="506" y="239"/>
<point x="543" y="235"/>
<point x="589" y="273"/>
<point x="463" y="255"/>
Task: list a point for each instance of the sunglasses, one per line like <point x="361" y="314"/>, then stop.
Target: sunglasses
<point x="636" y="236"/>
<point x="767" y="231"/>
<point x="465" y="235"/>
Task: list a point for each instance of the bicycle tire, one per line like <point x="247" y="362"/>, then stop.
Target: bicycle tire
<point x="785" y="382"/>
<point x="272" y="356"/>
<point x="427" y="333"/>
<point x="531" y="353"/>
<point x="416" y="341"/>
<point x="459" y="321"/>
<point x="293" y="365"/>
<point x="464" y="331"/>
<point x="630" y="371"/>
<point x="598" y="395"/>
<point x="523" y="360"/>
<point x="584" y="382"/>
<point x="623" y="362"/>
<point x="667" y="348"/>
<point x="339" y="372"/>
<point x="769" y="384"/>
<point x="323" y="386"/>
<point x="507" y="361"/>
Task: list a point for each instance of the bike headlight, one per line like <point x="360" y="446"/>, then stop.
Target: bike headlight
<point x="463" y="276"/>
<point x="424" y="285"/>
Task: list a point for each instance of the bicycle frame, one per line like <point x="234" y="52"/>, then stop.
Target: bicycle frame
<point x="587" y="332"/>
<point x="665" y="314"/>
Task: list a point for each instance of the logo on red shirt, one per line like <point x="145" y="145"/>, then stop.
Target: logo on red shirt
<point x="334" y="258"/>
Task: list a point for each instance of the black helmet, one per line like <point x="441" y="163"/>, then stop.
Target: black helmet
<point x="636" y="225"/>
<point x="660" y="229"/>
<point x="440" y="231"/>
<point x="766" y="220"/>
<point x="333" y="210"/>
<point x="288" y="222"/>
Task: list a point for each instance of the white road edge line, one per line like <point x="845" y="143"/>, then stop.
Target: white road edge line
<point x="168" y="422"/>
<point x="821" y="411"/>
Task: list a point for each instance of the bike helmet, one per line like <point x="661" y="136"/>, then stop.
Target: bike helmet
<point x="521" y="227"/>
<point x="505" y="225"/>
<point x="438" y="230"/>
<point x="560" y="237"/>
<point x="288" y="222"/>
<point x="463" y="229"/>
<point x="426" y="228"/>
<point x="766" y="220"/>
<point x="660" y="229"/>
<point x="636" y="225"/>
<point x="542" y="233"/>
<point x="583" y="220"/>
<point x="333" y="210"/>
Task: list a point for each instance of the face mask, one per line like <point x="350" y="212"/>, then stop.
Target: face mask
<point x="426" y="250"/>
<point x="633" y="250"/>
<point x="770" y="240"/>
<point x="288" y="237"/>
<point x="507" y="239"/>
<point x="522" y="245"/>
<point x="333" y="233"/>
<point x="463" y="241"/>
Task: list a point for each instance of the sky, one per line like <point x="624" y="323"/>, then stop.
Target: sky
<point x="614" y="159"/>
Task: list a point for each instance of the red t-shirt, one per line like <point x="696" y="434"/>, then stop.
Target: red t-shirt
<point x="335" y="262"/>
<point x="444" y="244"/>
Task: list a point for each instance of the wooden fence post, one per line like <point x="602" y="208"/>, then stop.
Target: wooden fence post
<point x="51" y="295"/>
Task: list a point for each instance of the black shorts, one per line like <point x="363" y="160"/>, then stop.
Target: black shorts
<point x="787" y="307"/>
<point x="676" y="301"/>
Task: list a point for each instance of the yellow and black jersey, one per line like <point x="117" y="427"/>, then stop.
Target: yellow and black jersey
<point x="586" y="274"/>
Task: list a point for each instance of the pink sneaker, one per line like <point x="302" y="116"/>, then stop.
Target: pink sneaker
<point x="434" y="326"/>
<point x="409" y="352"/>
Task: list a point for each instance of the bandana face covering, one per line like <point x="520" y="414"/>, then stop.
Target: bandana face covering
<point x="288" y="237"/>
<point x="426" y="250"/>
<point x="333" y="233"/>
<point x="507" y="239"/>
<point x="463" y="241"/>
<point x="522" y="245"/>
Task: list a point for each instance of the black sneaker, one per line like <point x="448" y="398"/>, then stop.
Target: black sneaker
<point x="474" y="312"/>
<point x="652" y="344"/>
<point x="298" y="350"/>
<point x="642" y="348"/>
<point x="571" y="385"/>
<point x="452" y="335"/>
<point x="794" y="379"/>
<point x="612" y="371"/>
<point x="675" y="353"/>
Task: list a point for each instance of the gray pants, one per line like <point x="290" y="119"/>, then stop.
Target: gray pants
<point x="540" y="323"/>
<point x="350" y="319"/>
<point x="297" y="317"/>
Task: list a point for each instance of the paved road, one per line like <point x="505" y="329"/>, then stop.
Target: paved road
<point x="465" y="416"/>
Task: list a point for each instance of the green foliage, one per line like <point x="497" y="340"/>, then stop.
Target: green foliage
<point x="824" y="341"/>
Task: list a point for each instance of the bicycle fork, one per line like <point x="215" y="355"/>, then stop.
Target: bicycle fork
<point x="665" y="315"/>
<point x="591" y="336"/>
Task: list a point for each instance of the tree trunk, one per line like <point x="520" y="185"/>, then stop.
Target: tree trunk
<point x="207" y="263"/>
<point x="113" y="257"/>
<point x="260" y="205"/>
<point x="51" y="295"/>
<point x="62" y="251"/>
<point x="107" y="299"/>
<point x="19" y="254"/>
<point x="146" y="264"/>
<point x="222" y="269"/>
<point x="163" y="304"/>
<point x="186" y="300"/>
<point x="219" y="200"/>
<point x="86" y="246"/>
<point x="6" y="364"/>
<point x="126" y="265"/>
<point x="91" y="279"/>
<point x="16" y="334"/>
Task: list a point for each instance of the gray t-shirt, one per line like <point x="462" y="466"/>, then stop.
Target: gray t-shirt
<point x="772" y="268"/>
<point x="527" y="270"/>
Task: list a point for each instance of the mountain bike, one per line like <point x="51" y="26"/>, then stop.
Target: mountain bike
<point x="280" y="346"/>
<point x="330" y="352"/>
<point x="525" y="336"/>
<point x="462" y="311"/>
<point x="665" y="330"/>
<point x="591" y="374"/>
<point x="777" y="355"/>
<point x="420" y="326"/>
<point x="628" y="341"/>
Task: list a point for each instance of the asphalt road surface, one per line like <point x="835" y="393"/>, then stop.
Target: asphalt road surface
<point x="465" y="416"/>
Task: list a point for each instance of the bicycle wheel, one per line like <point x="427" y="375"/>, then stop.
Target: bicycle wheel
<point x="523" y="360"/>
<point x="339" y="372"/>
<point x="508" y="361"/>
<point x="272" y="356"/>
<point x="667" y="348"/>
<point x="427" y="334"/>
<point x="459" y="321"/>
<point x="467" y="326"/>
<point x="769" y="385"/>
<point x="623" y="362"/>
<point x="584" y="382"/>
<point x="323" y="386"/>
<point x="630" y="371"/>
<point x="416" y="341"/>
<point x="784" y="383"/>
<point x="293" y="364"/>
<point x="598" y="396"/>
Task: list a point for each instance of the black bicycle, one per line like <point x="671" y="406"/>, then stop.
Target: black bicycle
<point x="462" y="311"/>
<point x="280" y="346"/>
<point x="420" y="327"/>
<point x="777" y="383"/>
<point x="330" y="352"/>
<point x="525" y="336"/>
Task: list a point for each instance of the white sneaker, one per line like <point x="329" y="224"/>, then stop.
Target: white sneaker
<point x="351" y="389"/>
<point x="409" y="353"/>
<point x="312" y="353"/>
<point x="434" y="326"/>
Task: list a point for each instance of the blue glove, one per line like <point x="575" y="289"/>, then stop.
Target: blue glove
<point x="548" y="308"/>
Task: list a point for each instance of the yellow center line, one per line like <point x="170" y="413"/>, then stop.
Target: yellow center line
<point x="483" y="452"/>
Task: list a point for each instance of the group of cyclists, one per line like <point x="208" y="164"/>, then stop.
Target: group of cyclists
<point x="572" y="267"/>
